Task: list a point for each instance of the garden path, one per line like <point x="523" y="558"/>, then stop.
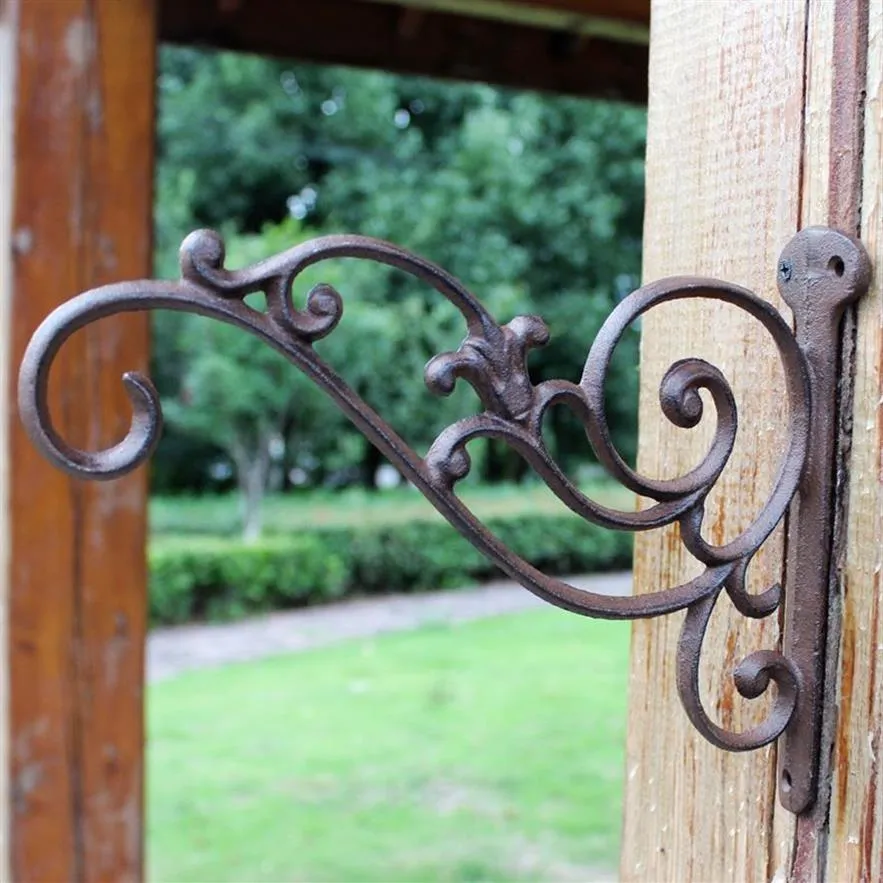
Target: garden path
<point x="172" y="651"/>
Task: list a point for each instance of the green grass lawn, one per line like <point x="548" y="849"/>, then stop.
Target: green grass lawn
<point x="486" y="751"/>
<point x="354" y="506"/>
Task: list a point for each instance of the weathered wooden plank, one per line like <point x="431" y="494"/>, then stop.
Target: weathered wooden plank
<point x="817" y="847"/>
<point x="831" y="194"/>
<point x="83" y="154"/>
<point x="724" y="156"/>
<point x="855" y="837"/>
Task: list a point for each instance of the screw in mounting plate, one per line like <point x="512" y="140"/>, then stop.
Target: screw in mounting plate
<point x="785" y="270"/>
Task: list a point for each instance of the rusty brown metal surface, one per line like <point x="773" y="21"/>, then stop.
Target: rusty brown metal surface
<point x="819" y="277"/>
<point x="819" y="272"/>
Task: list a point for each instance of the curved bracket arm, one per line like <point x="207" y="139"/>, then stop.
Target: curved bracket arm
<point x="819" y="273"/>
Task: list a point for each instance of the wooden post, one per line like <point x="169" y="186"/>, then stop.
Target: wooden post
<point x="855" y="838"/>
<point x="76" y="116"/>
<point x="7" y="73"/>
<point x="757" y="127"/>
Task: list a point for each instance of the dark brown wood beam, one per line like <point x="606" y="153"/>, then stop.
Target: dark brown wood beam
<point x="416" y="41"/>
<point x="621" y="10"/>
<point x="623" y="21"/>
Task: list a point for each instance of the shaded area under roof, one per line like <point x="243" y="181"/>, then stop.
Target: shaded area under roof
<point x="592" y="48"/>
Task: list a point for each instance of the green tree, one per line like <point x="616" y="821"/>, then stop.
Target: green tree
<point x="534" y="201"/>
<point x="237" y="394"/>
<point x="250" y="404"/>
<point x="535" y="197"/>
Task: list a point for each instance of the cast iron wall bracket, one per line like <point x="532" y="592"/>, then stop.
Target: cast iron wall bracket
<point x="819" y="273"/>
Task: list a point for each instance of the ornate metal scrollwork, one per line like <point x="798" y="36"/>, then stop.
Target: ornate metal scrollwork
<point x="820" y="271"/>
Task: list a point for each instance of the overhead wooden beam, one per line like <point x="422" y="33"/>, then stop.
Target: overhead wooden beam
<point x="440" y="44"/>
<point x="633" y="11"/>
<point x="8" y="35"/>
<point x="77" y="124"/>
<point x="619" y="22"/>
<point x="637" y="11"/>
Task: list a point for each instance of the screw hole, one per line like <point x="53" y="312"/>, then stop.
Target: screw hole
<point x="786" y="781"/>
<point x="836" y="266"/>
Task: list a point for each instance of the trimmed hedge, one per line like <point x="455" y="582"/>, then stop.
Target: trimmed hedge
<point x="226" y="579"/>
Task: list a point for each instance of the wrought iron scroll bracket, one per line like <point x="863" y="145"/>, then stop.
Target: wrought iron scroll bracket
<point x="819" y="273"/>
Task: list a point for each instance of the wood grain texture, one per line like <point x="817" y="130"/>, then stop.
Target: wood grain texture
<point x="81" y="216"/>
<point x="725" y="134"/>
<point x="798" y="845"/>
<point x="837" y="34"/>
<point x="8" y="19"/>
<point x="855" y="837"/>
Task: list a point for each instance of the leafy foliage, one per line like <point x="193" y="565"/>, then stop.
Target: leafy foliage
<point x="535" y="202"/>
<point x="223" y="579"/>
<point x="215" y="515"/>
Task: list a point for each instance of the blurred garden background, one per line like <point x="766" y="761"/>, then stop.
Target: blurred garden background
<point x="491" y="750"/>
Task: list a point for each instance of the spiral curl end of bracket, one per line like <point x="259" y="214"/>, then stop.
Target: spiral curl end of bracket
<point x="201" y="255"/>
<point x="752" y="677"/>
<point x="681" y="402"/>
<point x="126" y="455"/>
<point x="325" y="303"/>
<point x="322" y="312"/>
<point x="493" y="359"/>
